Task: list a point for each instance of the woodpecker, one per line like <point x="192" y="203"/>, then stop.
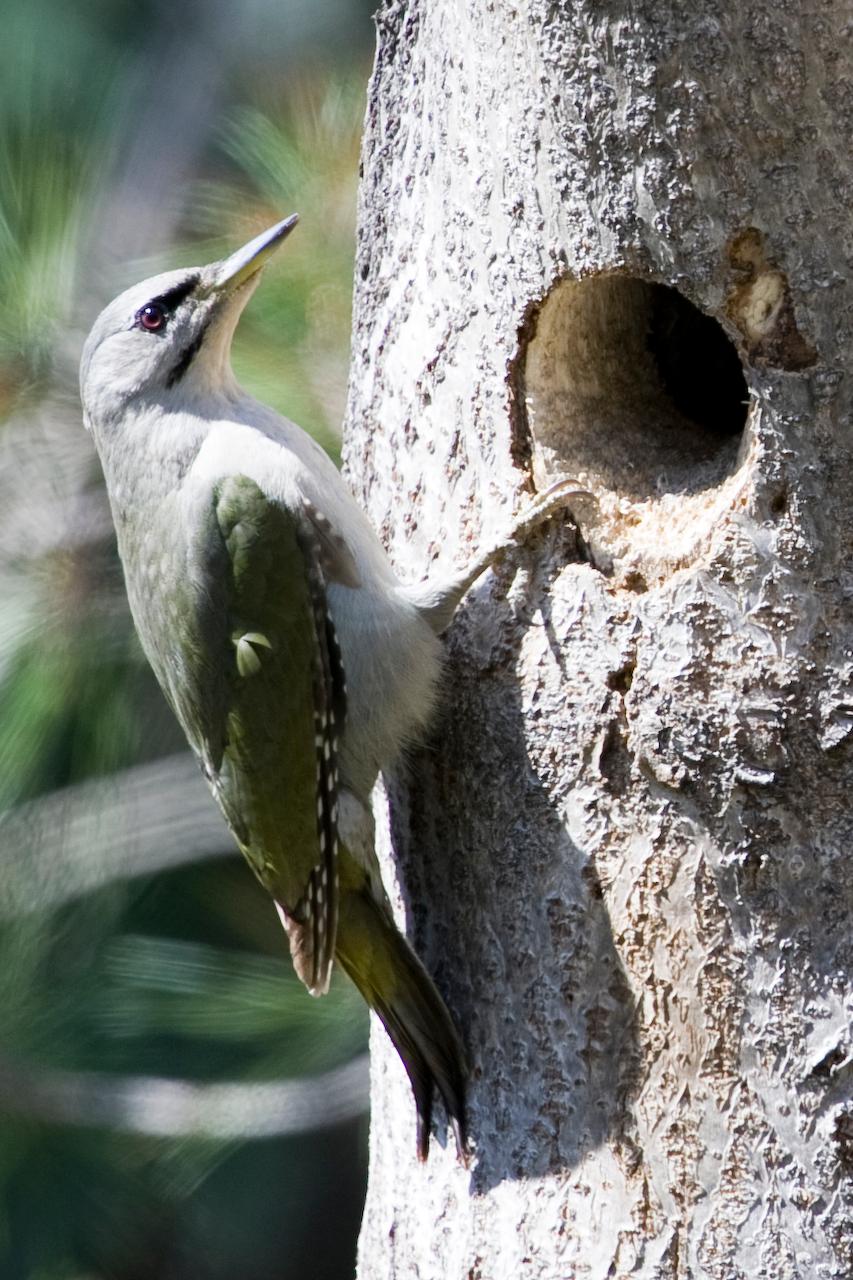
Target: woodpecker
<point x="296" y="662"/>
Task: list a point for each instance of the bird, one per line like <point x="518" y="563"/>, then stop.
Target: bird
<point x="297" y="663"/>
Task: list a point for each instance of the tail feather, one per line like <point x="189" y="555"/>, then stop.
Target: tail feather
<point x="396" y="985"/>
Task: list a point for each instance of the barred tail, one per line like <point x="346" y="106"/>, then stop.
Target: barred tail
<point x="396" y="985"/>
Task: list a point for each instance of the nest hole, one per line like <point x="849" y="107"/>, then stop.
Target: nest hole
<point x="641" y="398"/>
<point x="632" y="389"/>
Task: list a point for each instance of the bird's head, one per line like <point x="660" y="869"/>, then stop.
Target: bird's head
<point x="170" y="336"/>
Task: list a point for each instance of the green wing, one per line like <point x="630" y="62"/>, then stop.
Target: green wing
<point x="284" y="714"/>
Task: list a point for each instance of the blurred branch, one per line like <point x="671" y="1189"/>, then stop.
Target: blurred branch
<point x="150" y="818"/>
<point x="176" y="1108"/>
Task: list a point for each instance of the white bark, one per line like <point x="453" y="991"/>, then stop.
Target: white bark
<point x="625" y="853"/>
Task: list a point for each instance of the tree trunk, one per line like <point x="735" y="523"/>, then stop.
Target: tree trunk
<point x="590" y="235"/>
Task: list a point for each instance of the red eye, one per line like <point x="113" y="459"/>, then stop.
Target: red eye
<point x="151" y="317"/>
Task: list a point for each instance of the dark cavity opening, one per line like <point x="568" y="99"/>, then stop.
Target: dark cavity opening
<point x="629" y="387"/>
<point x="697" y="364"/>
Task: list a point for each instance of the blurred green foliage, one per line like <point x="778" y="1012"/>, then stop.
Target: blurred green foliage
<point x="296" y="334"/>
<point x="183" y="974"/>
<point x="59" y="78"/>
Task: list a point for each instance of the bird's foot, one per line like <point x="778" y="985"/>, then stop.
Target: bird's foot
<point x="437" y="603"/>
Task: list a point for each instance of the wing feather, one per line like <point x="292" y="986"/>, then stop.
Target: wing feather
<point x="286" y="707"/>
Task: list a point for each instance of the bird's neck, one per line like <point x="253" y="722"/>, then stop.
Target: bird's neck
<point x="148" y="460"/>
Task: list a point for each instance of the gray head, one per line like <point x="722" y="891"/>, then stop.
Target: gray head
<point x="170" y="337"/>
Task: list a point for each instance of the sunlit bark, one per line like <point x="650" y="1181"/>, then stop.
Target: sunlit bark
<point x="625" y="853"/>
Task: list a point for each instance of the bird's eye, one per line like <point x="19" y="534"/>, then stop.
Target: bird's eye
<point x="151" y="317"/>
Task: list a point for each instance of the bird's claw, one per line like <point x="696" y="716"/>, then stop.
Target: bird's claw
<point x="557" y="497"/>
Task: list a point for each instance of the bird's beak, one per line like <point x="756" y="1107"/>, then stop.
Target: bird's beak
<point x="243" y="264"/>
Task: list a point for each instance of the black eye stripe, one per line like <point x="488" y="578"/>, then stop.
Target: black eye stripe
<point x="166" y="304"/>
<point x="153" y="317"/>
<point x="172" y="298"/>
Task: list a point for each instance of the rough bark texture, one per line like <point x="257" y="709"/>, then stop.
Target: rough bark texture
<point x="625" y="855"/>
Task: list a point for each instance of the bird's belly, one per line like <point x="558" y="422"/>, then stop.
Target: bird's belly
<point x="392" y="663"/>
